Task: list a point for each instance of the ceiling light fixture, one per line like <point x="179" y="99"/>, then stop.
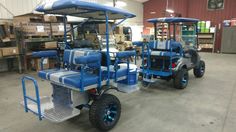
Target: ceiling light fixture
<point x="118" y="4"/>
<point x="152" y="12"/>
<point x="169" y="10"/>
<point x="121" y="4"/>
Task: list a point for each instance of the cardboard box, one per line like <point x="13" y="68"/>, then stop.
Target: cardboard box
<point x="58" y="29"/>
<point x="0" y="53"/>
<point x="10" y="51"/>
<point x="119" y="30"/>
<point x="36" y="64"/>
<point x="92" y="37"/>
<point x="7" y="29"/>
<point x="119" y="38"/>
<point x="52" y="63"/>
<point x="102" y="29"/>
<point x="50" y="45"/>
<point x="6" y="40"/>
<point x="35" y="29"/>
<point x="48" y="18"/>
<point x="28" y="18"/>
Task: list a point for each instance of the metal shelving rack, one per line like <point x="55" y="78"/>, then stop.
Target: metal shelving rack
<point x="207" y="41"/>
<point x="11" y="42"/>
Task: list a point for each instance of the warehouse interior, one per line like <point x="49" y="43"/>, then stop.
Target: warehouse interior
<point x="117" y="65"/>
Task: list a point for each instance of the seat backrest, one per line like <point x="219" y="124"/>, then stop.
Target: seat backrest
<point x="165" y="45"/>
<point x="160" y="45"/>
<point x="70" y="55"/>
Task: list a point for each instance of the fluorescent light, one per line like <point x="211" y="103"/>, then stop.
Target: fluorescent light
<point x="169" y="10"/>
<point x="152" y="12"/>
<point x="121" y="4"/>
<point x="109" y="4"/>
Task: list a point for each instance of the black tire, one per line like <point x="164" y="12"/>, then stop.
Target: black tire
<point x="105" y="112"/>
<point x="200" y="70"/>
<point x="145" y="84"/>
<point x="181" y="79"/>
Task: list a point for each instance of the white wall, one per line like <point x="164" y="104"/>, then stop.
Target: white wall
<point x="17" y="7"/>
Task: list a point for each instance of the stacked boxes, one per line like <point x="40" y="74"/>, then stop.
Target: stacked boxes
<point x="102" y="29"/>
<point x="9" y="51"/>
<point x="32" y="25"/>
<point x="40" y="25"/>
<point x="6" y="30"/>
<point x="36" y="64"/>
<point x="58" y="29"/>
<point x="50" y="45"/>
<point x="119" y="30"/>
<point x="47" y="64"/>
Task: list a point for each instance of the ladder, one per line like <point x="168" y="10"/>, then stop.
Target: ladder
<point x="26" y="97"/>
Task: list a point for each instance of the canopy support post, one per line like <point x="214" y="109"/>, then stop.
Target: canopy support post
<point x="155" y="31"/>
<point x="65" y="32"/>
<point x="107" y="48"/>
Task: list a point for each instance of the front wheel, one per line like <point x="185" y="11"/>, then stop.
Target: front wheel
<point x="181" y="79"/>
<point x="200" y="70"/>
<point x="105" y="112"/>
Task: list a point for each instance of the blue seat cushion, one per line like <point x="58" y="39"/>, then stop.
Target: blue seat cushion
<point x="49" y="53"/>
<point x="68" y="78"/>
<point x="45" y="74"/>
<point x="164" y="53"/>
<point x="125" y="54"/>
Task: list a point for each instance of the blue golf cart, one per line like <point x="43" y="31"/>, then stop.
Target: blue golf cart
<point x="172" y="53"/>
<point x="82" y="81"/>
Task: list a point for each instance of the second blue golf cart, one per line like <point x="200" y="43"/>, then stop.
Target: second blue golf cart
<point x="172" y="53"/>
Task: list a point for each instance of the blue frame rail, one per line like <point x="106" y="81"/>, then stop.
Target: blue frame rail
<point x="26" y="98"/>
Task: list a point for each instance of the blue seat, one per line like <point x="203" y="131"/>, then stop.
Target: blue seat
<point x="164" y="53"/>
<point x="69" y="78"/>
<point x="168" y="48"/>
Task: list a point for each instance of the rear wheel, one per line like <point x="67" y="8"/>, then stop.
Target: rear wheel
<point x="181" y="79"/>
<point x="105" y="112"/>
<point x="145" y="84"/>
<point x="200" y="70"/>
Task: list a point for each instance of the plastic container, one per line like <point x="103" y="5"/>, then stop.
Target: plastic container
<point x="227" y="23"/>
<point x="132" y="74"/>
<point x="203" y="24"/>
<point x="207" y="30"/>
<point x="212" y="30"/>
<point x="131" y="80"/>
<point x="208" y="24"/>
<point x="233" y="22"/>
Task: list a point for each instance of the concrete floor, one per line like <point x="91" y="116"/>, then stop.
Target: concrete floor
<point x="207" y="105"/>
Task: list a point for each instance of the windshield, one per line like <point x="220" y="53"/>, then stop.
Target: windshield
<point x="185" y="33"/>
